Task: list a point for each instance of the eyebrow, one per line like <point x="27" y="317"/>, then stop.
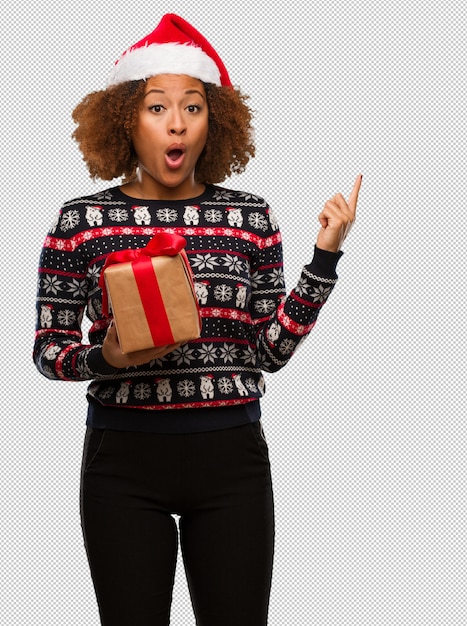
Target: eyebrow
<point x="188" y="92"/>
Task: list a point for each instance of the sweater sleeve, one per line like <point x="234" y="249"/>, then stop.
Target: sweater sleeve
<point x="65" y="290"/>
<point x="284" y="321"/>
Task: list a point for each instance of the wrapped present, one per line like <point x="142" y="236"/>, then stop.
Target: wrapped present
<point x="149" y="292"/>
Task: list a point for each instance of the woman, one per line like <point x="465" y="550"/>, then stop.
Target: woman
<point x="176" y="430"/>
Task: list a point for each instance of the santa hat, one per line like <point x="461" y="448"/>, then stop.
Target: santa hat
<point x="173" y="47"/>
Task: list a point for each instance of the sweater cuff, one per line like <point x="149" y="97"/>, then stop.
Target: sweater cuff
<point x="324" y="263"/>
<point x="97" y="364"/>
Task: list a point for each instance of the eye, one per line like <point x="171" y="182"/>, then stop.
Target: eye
<point x="193" y="108"/>
<point x="156" y="108"/>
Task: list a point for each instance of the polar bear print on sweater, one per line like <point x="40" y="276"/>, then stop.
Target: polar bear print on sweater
<point x="234" y="217"/>
<point x="54" y="224"/>
<point x="261" y="385"/>
<point x="141" y="215"/>
<point x="240" y="300"/>
<point x="51" y="352"/>
<point x="94" y="215"/>
<point x="201" y="291"/>
<point x="163" y="390"/>
<point x="46" y="315"/>
<point x="191" y="215"/>
<point x="242" y="390"/>
<point x="123" y="392"/>
<point x="273" y="333"/>
<point x="272" y="219"/>
<point x="207" y="387"/>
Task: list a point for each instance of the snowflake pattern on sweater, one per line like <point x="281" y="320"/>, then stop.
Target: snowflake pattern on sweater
<point x="235" y="251"/>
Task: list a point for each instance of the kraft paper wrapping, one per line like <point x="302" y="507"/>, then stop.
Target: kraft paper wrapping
<point x="178" y="320"/>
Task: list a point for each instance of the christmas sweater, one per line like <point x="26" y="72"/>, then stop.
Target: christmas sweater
<point x="249" y="323"/>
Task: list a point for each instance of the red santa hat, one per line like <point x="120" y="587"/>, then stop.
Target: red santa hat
<point x="173" y="47"/>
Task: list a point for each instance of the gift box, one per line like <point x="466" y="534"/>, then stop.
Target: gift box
<point x="150" y="294"/>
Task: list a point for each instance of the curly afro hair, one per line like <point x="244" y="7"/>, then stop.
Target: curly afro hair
<point x="105" y="121"/>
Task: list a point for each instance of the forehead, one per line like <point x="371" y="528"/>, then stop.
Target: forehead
<point x="173" y="82"/>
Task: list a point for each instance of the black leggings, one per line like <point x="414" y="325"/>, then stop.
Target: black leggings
<point x="219" y="483"/>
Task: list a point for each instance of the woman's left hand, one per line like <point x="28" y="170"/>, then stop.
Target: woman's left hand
<point x="337" y="218"/>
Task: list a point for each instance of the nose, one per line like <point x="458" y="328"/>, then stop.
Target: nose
<point x="176" y="124"/>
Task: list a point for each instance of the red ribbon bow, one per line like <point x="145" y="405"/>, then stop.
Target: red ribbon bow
<point x="162" y="244"/>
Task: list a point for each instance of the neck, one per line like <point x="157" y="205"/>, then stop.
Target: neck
<point x="145" y="188"/>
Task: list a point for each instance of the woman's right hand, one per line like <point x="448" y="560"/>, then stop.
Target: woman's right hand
<point x="112" y="353"/>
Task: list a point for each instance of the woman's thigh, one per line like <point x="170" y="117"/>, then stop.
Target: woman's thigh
<point x="227" y="537"/>
<point x="131" y="540"/>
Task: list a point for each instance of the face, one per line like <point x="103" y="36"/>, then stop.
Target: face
<point x="170" y="134"/>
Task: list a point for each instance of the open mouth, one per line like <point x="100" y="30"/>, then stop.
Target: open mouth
<point x="175" y="155"/>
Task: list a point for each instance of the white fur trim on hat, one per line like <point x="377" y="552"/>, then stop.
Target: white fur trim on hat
<point x="165" y="58"/>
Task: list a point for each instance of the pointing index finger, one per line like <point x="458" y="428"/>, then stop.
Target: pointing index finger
<point x="354" y="193"/>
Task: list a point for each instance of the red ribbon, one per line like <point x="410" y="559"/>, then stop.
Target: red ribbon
<point x="163" y="244"/>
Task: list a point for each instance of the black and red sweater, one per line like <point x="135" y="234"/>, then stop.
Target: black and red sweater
<point x="250" y="325"/>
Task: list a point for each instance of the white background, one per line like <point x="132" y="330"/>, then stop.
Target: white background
<point x="366" y="425"/>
